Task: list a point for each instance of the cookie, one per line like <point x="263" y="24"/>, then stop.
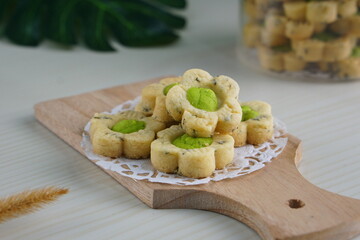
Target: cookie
<point x="256" y="126"/>
<point x="204" y="104"/>
<point x="175" y="152"/>
<point x="310" y="50"/>
<point x="251" y="35"/>
<point x="153" y="99"/>
<point x="275" y="24"/>
<point x="250" y="9"/>
<point x="355" y="25"/>
<point x="295" y="11"/>
<point x="349" y="68"/>
<point x="126" y="134"/>
<point x="347" y="8"/>
<point x="321" y="11"/>
<point x="270" y="59"/>
<point x="338" y="49"/>
<point x="299" y="30"/>
<point x="293" y="63"/>
<point x="271" y="39"/>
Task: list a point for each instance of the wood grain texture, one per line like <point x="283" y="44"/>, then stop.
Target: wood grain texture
<point x="275" y="201"/>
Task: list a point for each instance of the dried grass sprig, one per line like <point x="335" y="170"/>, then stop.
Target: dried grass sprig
<point x="28" y="202"/>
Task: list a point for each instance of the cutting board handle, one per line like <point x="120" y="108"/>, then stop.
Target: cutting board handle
<point x="276" y="201"/>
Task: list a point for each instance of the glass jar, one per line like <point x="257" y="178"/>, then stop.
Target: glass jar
<point x="312" y="40"/>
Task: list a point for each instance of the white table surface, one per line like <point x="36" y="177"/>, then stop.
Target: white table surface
<point x="325" y="116"/>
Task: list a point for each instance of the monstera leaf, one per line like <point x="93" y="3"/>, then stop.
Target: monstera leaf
<point x="134" y="23"/>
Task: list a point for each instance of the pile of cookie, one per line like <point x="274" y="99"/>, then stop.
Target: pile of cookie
<point x="296" y="35"/>
<point x="187" y="125"/>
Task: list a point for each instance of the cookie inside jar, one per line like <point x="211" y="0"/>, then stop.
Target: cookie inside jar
<point x="307" y="40"/>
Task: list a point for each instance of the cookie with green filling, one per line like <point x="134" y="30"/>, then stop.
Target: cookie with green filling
<point x="176" y="152"/>
<point x="256" y="126"/>
<point x="204" y="104"/>
<point x="126" y="134"/>
<point x="153" y="99"/>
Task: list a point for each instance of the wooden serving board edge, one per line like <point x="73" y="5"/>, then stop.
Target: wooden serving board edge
<point x="73" y="136"/>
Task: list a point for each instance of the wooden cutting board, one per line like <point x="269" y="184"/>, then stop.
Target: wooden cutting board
<point x="276" y="201"/>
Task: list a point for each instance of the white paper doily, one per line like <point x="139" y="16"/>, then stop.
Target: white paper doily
<point x="247" y="159"/>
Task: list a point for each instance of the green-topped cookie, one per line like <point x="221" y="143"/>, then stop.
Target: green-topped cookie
<point x="248" y="113"/>
<point x="168" y="87"/>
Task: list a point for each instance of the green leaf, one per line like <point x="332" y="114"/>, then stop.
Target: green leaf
<point x="143" y="8"/>
<point x="180" y="4"/>
<point x="61" y="19"/>
<point x="25" y="26"/>
<point x="93" y="26"/>
<point x="138" y="30"/>
<point x="4" y="5"/>
<point x="93" y="22"/>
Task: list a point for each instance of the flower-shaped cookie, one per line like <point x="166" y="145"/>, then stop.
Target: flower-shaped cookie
<point x="176" y="152"/>
<point x="256" y="126"/>
<point x="126" y="134"/>
<point x="205" y="104"/>
<point x="153" y="99"/>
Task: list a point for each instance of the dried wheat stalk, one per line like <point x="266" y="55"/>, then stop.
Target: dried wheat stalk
<point x="28" y="201"/>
